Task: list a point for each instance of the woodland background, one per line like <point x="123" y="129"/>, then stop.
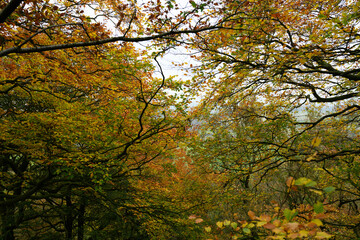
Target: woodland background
<point x="256" y="138"/>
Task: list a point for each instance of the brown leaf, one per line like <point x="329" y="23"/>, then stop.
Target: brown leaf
<point x="251" y="215"/>
<point x="199" y="220"/>
<point x="311" y="225"/>
<point x="265" y="218"/>
<point x="293" y="235"/>
<point x="269" y="226"/>
<point x="291" y="226"/>
<point x="321" y="215"/>
<point x="290" y="181"/>
<point x="192" y="216"/>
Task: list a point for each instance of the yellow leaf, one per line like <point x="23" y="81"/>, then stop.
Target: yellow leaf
<point x="208" y="229"/>
<point x="316" y="191"/>
<point x="312" y="157"/>
<point x="322" y="235"/>
<point x="220" y="224"/>
<point x="250" y="225"/>
<point x="317" y="222"/>
<point x="260" y="224"/>
<point x="303" y="233"/>
<point x="278" y="231"/>
<point x="316" y="142"/>
<point x="227" y="223"/>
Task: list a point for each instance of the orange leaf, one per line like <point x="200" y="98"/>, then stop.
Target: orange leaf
<point x="293" y="235"/>
<point x="290" y="181"/>
<point x="251" y="215"/>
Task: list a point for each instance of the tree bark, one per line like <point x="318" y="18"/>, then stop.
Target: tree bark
<point x="81" y="220"/>
<point x="9" y="9"/>
<point x="68" y="215"/>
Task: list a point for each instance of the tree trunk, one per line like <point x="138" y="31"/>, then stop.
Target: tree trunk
<point x="81" y="220"/>
<point x="7" y="222"/>
<point x="68" y="215"/>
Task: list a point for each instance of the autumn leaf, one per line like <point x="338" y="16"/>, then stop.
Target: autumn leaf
<point x="305" y="182"/>
<point x="269" y="226"/>
<point x="294" y="235"/>
<point x="220" y="224"/>
<point x="199" y="220"/>
<point x="192" y="217"/>
<point x="316" y="142"/>
<point x="323" y="235"/>
<point x="317" y="222"/>
<point x="227" y="222"/>
<point x="291" y="226"/>
<point x="234" y="225"/>
<point x="290" y="214"/>
<point x="251" y="214"/>
<point x="318" y="207"/>
<point x="329" y="189"/>
<point x="290" y="181"/>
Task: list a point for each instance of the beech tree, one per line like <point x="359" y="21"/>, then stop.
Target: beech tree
<point x="92" y="138"/>
<point x="82" y="116"/>
<point x="282" y="101"/>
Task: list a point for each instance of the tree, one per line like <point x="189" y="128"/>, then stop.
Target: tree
<point x="68" y="24"/>
<point x="68" y="132"/>
<point x="270" y="63"/>
<point x="82" y="116"/>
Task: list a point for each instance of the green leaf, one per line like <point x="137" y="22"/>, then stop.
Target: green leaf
<point x="290" y="214"/>
<point x="193" y="4"/>
<point x="321" y="16"/>
<point x="246" y="230"/>
<point x="318" y="207"/>
<point x="311" y="184"/>
<point x="305" y="182"/>
<point x="301" y="181"/>
<point x="329" y="189"/>
<point x="234" y="225"/>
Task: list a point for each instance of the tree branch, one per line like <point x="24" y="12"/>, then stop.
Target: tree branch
<point x="100" y="42"/>
<point x="9" y="9"/>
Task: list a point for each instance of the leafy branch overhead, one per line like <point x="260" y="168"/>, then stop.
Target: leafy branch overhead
<point x="251" y="132"/>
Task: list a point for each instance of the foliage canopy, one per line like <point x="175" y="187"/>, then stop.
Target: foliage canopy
<point x="97" y="143"/>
